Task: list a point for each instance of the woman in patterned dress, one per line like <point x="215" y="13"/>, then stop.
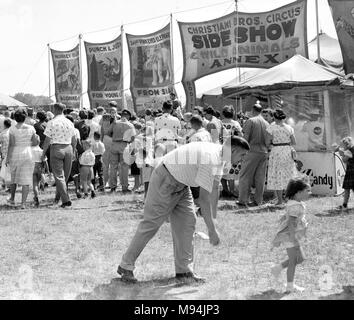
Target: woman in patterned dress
<point x="19" y="156"/>
<point x="281" y="167"/>
<point x="231" y="127"/>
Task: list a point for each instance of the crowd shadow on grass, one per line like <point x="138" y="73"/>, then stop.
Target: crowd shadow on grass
<point x="158" y="289"/>
<point x="335" y="212"/>
<point x="268" y="295"/>
<point x="347" y="294"/>
<point x="240" y="210"/>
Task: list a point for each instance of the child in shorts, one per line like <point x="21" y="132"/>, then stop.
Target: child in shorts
<point x="87" y="161"/>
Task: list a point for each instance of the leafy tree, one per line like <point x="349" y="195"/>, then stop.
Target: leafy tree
<point x="32" y="100"/>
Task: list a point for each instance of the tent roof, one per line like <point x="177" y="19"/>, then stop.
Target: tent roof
<point x="330" y="50"/>
<point x="295" y="72"/>
<point x="244" y="76"/>
<point x="8" y="101"/>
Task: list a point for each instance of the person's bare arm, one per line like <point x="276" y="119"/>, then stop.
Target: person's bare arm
<point x="45" y="146"/>
<point x="10" y="148"/>
<point x="206" y="207"/>
<point x="292" y="227"/>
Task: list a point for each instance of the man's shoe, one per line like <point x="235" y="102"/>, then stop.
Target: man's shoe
<point x="241" y="204"/>
<point x="66" y="204"/>
<point x="126" y="275"/>
<point x="189" y="277"/>
<point x="93" y="194"/>
<point x="253" y="204"/>
<point x="126" y="191"/>
<point x="78" y="195"/>
<point x="113" y="190"/>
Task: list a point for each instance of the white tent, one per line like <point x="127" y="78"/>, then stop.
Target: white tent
<point x="8" y="101"/>
<point x="330" y="51"/>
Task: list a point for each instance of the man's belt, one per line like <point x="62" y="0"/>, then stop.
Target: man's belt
<point x="121" y="141"/>
<point x="280" y="144"/>
<point x="167" y="139"/>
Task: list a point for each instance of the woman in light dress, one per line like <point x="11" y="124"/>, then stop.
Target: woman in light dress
<point x="281" y="167"/>
<point x="19" y="156"/>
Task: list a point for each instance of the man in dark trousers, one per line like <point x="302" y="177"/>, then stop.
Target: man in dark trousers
<point x="253" y="167"/>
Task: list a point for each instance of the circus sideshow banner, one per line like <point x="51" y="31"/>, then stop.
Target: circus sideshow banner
<point x="151" y="71"/>
<point x="67" y="76"/>
<point x="247" y="40"/>
<point x="104" y="67"/>
<point x="343" y="17"/>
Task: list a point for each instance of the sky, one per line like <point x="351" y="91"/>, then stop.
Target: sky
<point x="27" y="26"/>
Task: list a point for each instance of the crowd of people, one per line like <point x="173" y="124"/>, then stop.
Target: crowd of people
<point x="92" y="148"/>
<point x="179" y="158"/>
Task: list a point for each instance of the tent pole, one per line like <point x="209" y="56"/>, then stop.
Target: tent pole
<point x="49" y="70"/>
<point x="80" y="62"/>
<point x="238" y="70"/>
<point x="327" y="116"/>
<point x="318" y="34"/>
<point x="122" y="84"/>
<point x="172" y="77"/>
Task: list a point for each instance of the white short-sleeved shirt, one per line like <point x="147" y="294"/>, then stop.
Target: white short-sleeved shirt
<point x="98" y="148"/>
<point x="87" y="158"/>
<point x="167" y="127"/>
<point x="202" y="135"/>
<point x="37" y="154"/>
<point x="60" y="130"/>
<point x="196" y="164"/>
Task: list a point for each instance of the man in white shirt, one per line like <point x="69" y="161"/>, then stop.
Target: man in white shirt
<point x="214" y="125"/>
<point x="196" y="164"/>
<point x="97" y="118"/>
<point x="61" y="138"/>
<point x="167" y="127"/>
<point x="200" y="134"/>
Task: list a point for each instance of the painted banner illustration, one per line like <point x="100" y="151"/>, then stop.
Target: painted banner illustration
<point x="343" y="17"/>
<point x="151" y="70"/>
<point x="66" y="65"/>
<point x="104" y="68"/>
<point x="248" y="40"/>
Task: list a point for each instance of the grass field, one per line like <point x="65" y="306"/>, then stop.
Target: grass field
<point x="73" y="253"/>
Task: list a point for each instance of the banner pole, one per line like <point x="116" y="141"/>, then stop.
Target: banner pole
<point x="80" y="63"/>
<point x="172" y="78"/>
<point x="122" y="66"/>
<point x="49" y="71"/>
<point x="238" y="70"/>
<point x="318" y="34"/>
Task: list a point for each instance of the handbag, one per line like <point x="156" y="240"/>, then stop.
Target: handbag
<point x="293" y="154"/>
<point x="5" y="172"/>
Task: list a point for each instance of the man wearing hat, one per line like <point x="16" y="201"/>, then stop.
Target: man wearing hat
<point x="122" y="132"/>
<point x="253" y="168"/>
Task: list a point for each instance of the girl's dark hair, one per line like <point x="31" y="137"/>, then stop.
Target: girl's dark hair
<point x="295" y="186"/>
<point x="7" y="123"/>
<point x="20" y="115"/>
<point x="228" y="112"/>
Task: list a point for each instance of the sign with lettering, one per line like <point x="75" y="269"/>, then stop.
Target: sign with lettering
<point x="250" y="40"/>
<point x="327" y="178"/>
<point x="104" y="67"/>
<point x="151" y="70"/>
<point x="66" y="66"/>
